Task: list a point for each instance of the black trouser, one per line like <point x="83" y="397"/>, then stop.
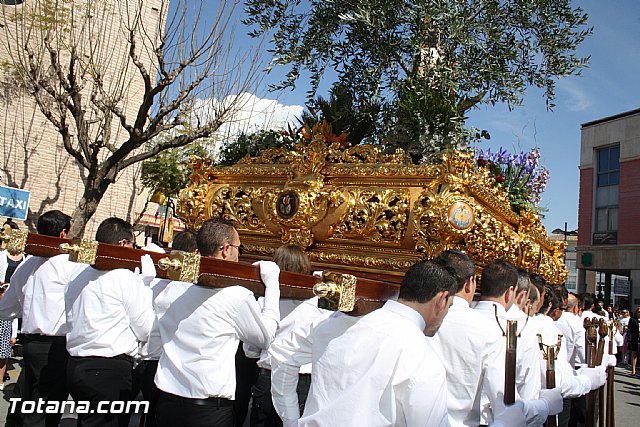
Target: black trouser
<point x="263" y="414"/>
<point x="565" y="415"/>
<point x="246" y="376"/>
<point x="174" y="411"/>
<point x="15" y="419"/>
<point x="578" y="411"/>
<point x="45" y="376"/>
<point x="145" y="373"/>
<point x="96" y="379"/>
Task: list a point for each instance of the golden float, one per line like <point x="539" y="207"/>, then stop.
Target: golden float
<point x="366" y="212"/>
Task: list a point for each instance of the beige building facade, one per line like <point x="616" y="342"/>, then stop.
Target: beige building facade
<point x="33" y="156"/>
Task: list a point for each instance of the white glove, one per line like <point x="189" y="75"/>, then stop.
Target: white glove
<point x="553" y="398"/>
<point x="611" y="362"/>
<point x="596" y="375"/>
<point x="508" y="416"/>
<point x="147" y="271"/>
<point x="269" y="273"/>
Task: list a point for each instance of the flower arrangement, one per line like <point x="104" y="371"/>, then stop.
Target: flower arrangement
<point x="520" y="175"/>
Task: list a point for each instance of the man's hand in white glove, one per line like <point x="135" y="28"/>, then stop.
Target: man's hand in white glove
<point x="147" y="271"/>
<point x="611" y="360"/>
<point x="269" y="273"/>
<point x="596" y="375"/>
<point x="553" y="399"/>
<point x="508" y="416"/>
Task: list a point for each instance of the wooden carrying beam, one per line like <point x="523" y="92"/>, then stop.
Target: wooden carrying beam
<point x="342" y="292"/>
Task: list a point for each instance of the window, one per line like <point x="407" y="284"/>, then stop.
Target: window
<point x="607" y="189"/>
<point x="609" y="166"/>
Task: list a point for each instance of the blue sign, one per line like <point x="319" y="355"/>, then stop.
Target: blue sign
<point x="14" y="203"/>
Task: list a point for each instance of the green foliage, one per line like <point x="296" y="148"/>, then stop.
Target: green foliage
<point x="169" y="170"/>
<point x="253" y="144"/>
<point x="340" y="112"/>
<point x="425" y="62"/>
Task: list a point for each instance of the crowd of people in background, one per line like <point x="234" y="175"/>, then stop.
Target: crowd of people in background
<point x="201" y="356"/>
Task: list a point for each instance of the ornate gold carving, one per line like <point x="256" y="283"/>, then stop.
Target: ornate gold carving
<point x="15" y="241"/>
<point x="192" y="205"/>
<point x="181" y="266"/>
<point x="375" y="215"/>
<point x="337" y="203"/>
<point x="235" y="203"/>
<point x="379" y="262"/>
<point x="81" y="250"/>
<point x="336" y="291"/>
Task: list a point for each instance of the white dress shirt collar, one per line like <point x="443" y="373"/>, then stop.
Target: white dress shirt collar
<point x="406" y="312"/>
<point x="488" y="305"/>
<point x="460" y="301"/>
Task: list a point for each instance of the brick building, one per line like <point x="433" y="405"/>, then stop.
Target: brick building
<point x="33" y="157"/>
<point x="609" y="207"/>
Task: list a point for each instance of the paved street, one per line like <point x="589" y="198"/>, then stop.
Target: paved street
<point x="627" y="398"/>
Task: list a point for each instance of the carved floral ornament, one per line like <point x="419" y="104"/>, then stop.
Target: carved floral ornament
<point x="361" y="208"/>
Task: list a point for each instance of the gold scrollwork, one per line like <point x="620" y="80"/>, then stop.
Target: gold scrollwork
<point x="368" y="209"/>
<point x="375" y="215"/>
<point x="234" y="203"/>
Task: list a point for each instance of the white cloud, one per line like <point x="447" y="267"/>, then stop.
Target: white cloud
<point x="575" y="98"/>
<point x="251" y="115"/>
<point x="254" y="114"/>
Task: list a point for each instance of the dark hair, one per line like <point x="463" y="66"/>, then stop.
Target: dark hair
<point x="534" y="295"/>
<point x="213" y="234"/>
<point x="537" y="281"/>
<point x="556" y="300"/>
<point x="425" y="279"/>
<point x="497" y="278"/>
<point x="562" y="291"/>
<point x="523" y="283"/>
<point x="52" y="223"/>
<point x="548" y="299"/>
<point x="461" y="263"/>
<point x="588" y="301"/>
<point x="292" y="258"/>
<point x="184" y="241"/>
<point x="113" y="230"/>
<point x="11" y="224"/>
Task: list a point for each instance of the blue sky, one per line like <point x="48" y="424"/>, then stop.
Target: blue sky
<point x="609" y="86"/>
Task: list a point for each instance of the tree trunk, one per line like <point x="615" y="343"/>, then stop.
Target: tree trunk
<point x="94" y="190"/>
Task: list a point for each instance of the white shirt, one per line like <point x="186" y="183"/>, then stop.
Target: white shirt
<point x="107" y="313"/>
<point x="376" y="370"/>
<point x="572" y="329"/>
<point x="624" y="321"/>
<point x="36" y="294"/>
<point x="200" y="331"/>
<point x="152" y="348"/>
<point x="473" y="359"/>
<point x="305" y="313"/>
<point x="527" y="356"/>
